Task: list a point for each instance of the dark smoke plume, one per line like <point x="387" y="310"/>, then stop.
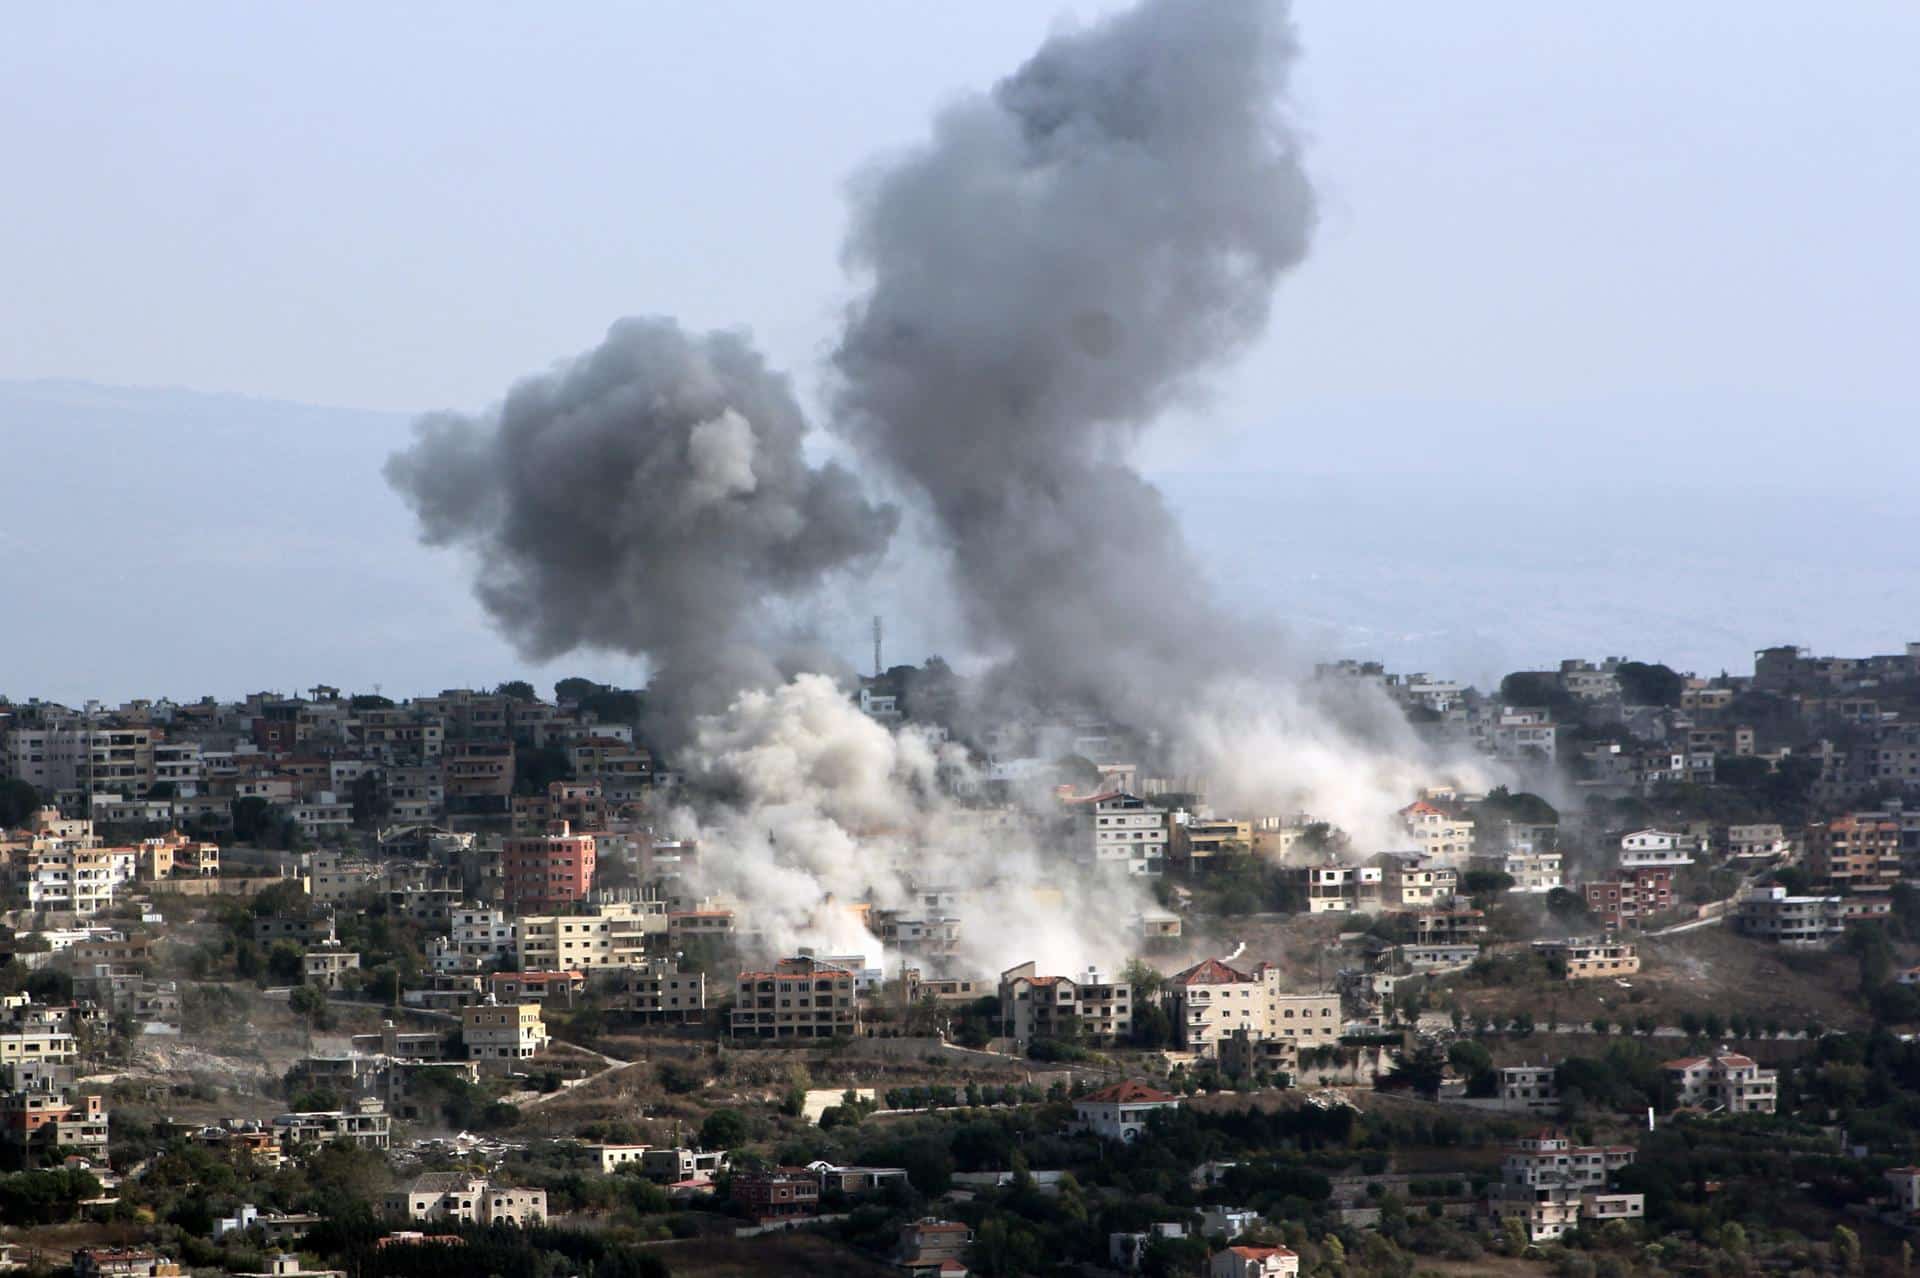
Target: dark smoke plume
<point x="1050" y="273"/>
<point x="650" y="498"/>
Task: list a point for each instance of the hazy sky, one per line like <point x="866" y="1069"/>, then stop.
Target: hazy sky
<point x="1605" y="251"/>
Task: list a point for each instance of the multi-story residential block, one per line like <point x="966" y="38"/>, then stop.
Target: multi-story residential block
<point x="1550" y="1184"/>
<point x="333" y="877"/>
<point x="1123" y="831"/>
<point x="1121" y="1112"/>
<point x="417" y="792"/>
<point x="1529" y="1086"/>
<point x="546" y="871"/>
<point x="581" y="804"/>
<point x="1518" y="733"/>
<point x="1242" y="1055"/>
<point x="687" y="927"/>
<point x="1531" y="871"/>
<point x="623" y="770"/>
<point x="366" y="1123"/>
<point x="405" y="735"/>
<point x="1592" y="957"/>
<point x="327" y="966"/>
<point x="1771" y="913"/>
<point x="930" y="936"/>
<point x="1591" y="681"/>
<point x="1755" y="842"/>
<point x="62" y="877"/>
<point x="656" y="991"/>
<point x="561" y="987"/>
<point x="932" y="1248"/>
<point x="1414" y="881"/>
<point x="781" y="1193"/>
<point x="1644" y="849"/>
<point x="305" y="930"/>
<point x="476" y="938"/>
<point x="323" y="816"/>
<point x="50" y="1118"/>
<point x="616" y="934"/>
<point x="468" y="1200"/>
<point x="1035" y="1006"/>
<point x="1200" y="841"/>
<point x="678" y="1165"/>
<point x="1859" y="852"/>
<point x="479" y="775"/>
<point x="1725" y="1081"/>
<point x="1440" y="834"/>
<point x="799" y="998"/>
<point x="1336" y="887"/>
<point x="1631" y="897"/>
<point x="1210" y="1000"/>
<point x="494" y="1033"/>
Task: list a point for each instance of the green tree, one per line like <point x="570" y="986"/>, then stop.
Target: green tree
<point x="1642" y="684"/>
<point x="1846" y="1249"/>
<point x="1152" y="1027"/>
<point x="286" y="964"/>
<point x="723" y="1129"/>
<point x="517" y="689"/>
<point x="18" y="801"/>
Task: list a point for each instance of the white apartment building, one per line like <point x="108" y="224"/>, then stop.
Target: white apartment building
<point x="468" y="1200"/>
<point x="1550" y="1185"/>
<point x="1210" y="1000"/>
<point x="611" y="935"/>
<point x="325" y="814"/>
<point x="1653" y="848"/>
<point x="1437" y="832"/>
<point x="69" y="878"/>
<point x="1125" y="831"/>
<point x="1522" y="733"/>
<point x="1530" y="871"/>
<point x="1121" y="1112"/>
<point x="475" y="938"/>
<point x="1725" y="1081"/>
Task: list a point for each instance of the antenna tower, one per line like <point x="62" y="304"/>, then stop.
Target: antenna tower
<point x="878" y="669"/>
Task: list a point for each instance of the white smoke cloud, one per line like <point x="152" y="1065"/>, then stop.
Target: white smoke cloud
<point x="822" y="808"/>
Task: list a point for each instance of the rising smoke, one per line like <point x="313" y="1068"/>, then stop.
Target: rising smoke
<point x="1054" y="269"/>
<point x="1049" y="273"/>
<point x="648" y="498"/>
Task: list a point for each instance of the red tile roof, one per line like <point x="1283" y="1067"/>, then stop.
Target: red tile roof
<point x="1210" y="972"/>
<point x="1128" y="1093"/>
<point x="1259" y="1253"/>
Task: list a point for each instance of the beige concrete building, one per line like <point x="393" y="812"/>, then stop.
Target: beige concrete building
<point x="1035" y="1006"/>
<point x="1724" y="1081"/>
<point x="494" y="1033"/>
<point x="467" y="1200"/>
<point x="799" y="998"/>
<point x="1210" y="1000"/>
<point x="656" y="990"/>
<point x="1591" y="958"/>
<point x="1414" y="880"/>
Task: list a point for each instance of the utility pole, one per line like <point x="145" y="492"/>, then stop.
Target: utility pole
<point x="878" y="669"/>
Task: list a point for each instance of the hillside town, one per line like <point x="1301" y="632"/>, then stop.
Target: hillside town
<point x="300" y="984"/>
